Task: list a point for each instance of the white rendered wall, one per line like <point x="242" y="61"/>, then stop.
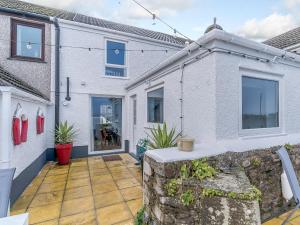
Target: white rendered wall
<point x="212" y="100"/>
<point x="24" y="154"/>
<point x="88" y="67"/>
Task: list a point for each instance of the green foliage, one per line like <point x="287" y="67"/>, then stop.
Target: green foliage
<point x="184" y="172"/>
<point x="171" y="187"/>
<point x="201" y="169"/>
<point x="288" y="146"/>
<point x="256" y="162"/>
<point x="160" y="137"/>
<point x="210" y="192"/>
<point x="64" y="133"/>
<point x="143" y="142"/>
<point x="139" y="218"/>
<point x="187" y="198"/>
<point x="253" y="194"/>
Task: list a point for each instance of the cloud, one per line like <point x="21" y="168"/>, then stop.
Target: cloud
<point x="267" y="27"/>
<point x="292" y="4"/>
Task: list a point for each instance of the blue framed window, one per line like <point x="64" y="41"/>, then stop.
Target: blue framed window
<point x="115" y="59"/>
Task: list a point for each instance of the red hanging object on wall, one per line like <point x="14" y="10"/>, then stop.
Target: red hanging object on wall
<point x="24" y="129"/>
<point x="16" y="131"/>
<point x="40" y="121"/>
<point x="16" y="126"/>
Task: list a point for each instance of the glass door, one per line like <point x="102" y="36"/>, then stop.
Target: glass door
<point x="107" y="123"/>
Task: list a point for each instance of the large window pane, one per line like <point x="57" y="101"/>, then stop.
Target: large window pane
<point x="115" y="53"/>
<point x="29" y="41"/>
<point x="260" y="103"/>
<point x="155" y="105"/>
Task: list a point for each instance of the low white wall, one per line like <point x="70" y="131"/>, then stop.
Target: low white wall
<point x="24" y="154"/>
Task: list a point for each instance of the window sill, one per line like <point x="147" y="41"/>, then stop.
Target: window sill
<point x="26" y="59"/>
<point x="115" y="77"/>
<point x="263" y="136"/>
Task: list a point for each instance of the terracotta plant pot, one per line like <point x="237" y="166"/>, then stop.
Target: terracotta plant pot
<point x="63" y="152"/>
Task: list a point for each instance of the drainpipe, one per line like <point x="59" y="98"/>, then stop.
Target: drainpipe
<point x="181" y="100"/>
<point x="57" y="70"/>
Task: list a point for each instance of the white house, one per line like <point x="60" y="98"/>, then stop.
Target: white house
<point x="225" y="91"/>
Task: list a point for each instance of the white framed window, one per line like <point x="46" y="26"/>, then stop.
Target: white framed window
<point x="260" y="106"/>
<point x="115" y="60"/>
<point x="155" y="106"/>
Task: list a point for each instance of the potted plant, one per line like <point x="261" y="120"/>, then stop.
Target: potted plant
<point x="64" y="136"/>
<point x="141" y="148"/>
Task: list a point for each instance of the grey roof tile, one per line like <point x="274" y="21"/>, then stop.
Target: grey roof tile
<point x="8" y="79"/>
<point x="285" y="40"/>
<point x="63" y="14"/>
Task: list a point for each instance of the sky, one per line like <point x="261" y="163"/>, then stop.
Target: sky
<point x="254" y="19"/>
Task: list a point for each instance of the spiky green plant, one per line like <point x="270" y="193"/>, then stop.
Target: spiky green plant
<point x="64" y="133"/>
<point x="160" y="137"/>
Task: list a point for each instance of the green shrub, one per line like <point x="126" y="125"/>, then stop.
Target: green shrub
<point x="64" y="133"/>
<point x="187" y="198"/>
<point x="202" y="170"/>
<point x="184" y="171"/>
<point x="160" y="137"/>
<point x="139" y="218"/>
<point x="171" y="187"/>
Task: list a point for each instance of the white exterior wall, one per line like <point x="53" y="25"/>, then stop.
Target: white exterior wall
<point x="21" y="156"/>
<point x="82" y="65"/>
<point x="212" y="99"/>
<point x="198" y="101"/>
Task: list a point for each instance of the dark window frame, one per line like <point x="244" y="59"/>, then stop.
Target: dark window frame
<point x="161" y="120"/>
<point x="13" y="53"/>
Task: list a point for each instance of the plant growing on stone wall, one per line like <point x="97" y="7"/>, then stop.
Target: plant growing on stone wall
<point x="139" y="218"/>
<point x="211" y="192"/>
<point x="184" y="172"/>
<point x="253" y="194"/>
<point x="256" y="162"/>
<point x="172" y="187"/>
<point x="160" y="137"/>
<point x="288" y="146"/>
<point x="187" y="198"/>
<point x="201" y="169"/>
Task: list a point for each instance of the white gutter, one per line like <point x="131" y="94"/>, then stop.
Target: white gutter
<point x="216" y="35"/>
<point x="115" y="32"/>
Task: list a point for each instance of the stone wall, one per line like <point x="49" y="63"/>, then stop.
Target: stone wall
<point x="262" y="168"/>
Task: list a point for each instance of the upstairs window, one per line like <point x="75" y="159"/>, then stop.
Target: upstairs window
<point x="155" y="101"/>
<point x="260" y="103"/>
<point x="27" y="40"/>
<point x="115" y="59"/>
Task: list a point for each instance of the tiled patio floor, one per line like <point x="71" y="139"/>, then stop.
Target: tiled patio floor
<point x="295" y="220"/>
<point x="88" y="191"/>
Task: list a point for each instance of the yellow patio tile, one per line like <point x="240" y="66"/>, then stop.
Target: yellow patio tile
<point x="275" y="221"/>
<point x="46" y="198"/>
<point x="127" y="222"/>
<point x="17" y="212"/>
<point x="78" y="192"/>
<point x="86" y="218"/>
<point x="37" y="181"/>
<point x="79" y="163"/>
<point x="22" y="202"/>
<point x="135" y="205"/>
<point x="79" y="175"/>
<point x="98" y="165"/>
<point x="78" y="169"/>
<point x="77" y="183"/>
<point x="31" y="189"/>
<point x="105" y="187"/>
<point x="96" y="179"/>
<point x="126" y="183"/>
<point x="49" y="222"/>
<point x="57" y="178"/>
<point x="121" y="175"/>
<point x="77" y="205"/>
<point x="57" y="171"/>
<point x="108" y="198"/>
<point x="132" y="193"/>
<point x="50" y="187"/>
<point x="44" y="213"/>
<point x="113" y="214"/>
<point x="114" y="163"/>
<point x="118" y="169"/>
